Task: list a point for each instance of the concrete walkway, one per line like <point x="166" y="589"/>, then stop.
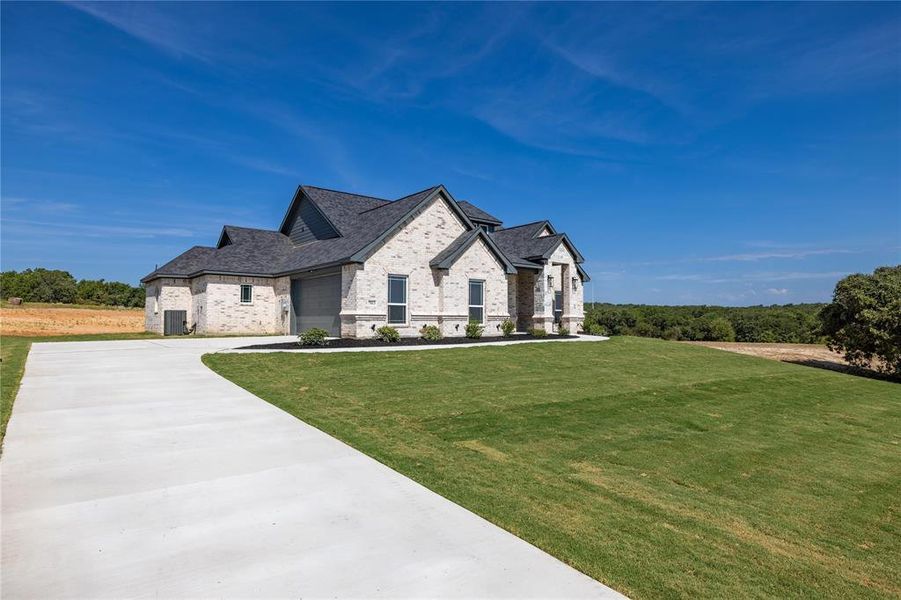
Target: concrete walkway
<point x="131" y="470"/>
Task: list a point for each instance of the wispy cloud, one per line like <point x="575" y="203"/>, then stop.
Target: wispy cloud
<point x="146" y="22"/>
<point x="91" y="230"/>
<point x="18" y="204"/>
<point x="784" y="254"/>
<point x="768" y="276"/>
<point x="777" y="291"/>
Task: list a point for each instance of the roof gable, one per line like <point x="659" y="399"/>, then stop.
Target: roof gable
<point x="477" y="215"/>
<point x="447" y="257"/>
<point x="392" y="216"/>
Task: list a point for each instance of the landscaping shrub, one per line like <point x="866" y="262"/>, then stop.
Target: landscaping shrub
<point x="431" y="333"/>
<point x="474" y="330"/>
<point x="537" y="332"/>
<point x="386" y="333"/>
<point x="507" y="328"/>
<point x="593" y="329"/>
<point x="313" y="337"/>
<point x="562" y="331"/>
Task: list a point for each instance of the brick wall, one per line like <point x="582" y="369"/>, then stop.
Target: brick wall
<point x="223" y="312"/>
<point x="433" y="297"/>
<point x="213" y="303"/>
<point x="166" y="294"/>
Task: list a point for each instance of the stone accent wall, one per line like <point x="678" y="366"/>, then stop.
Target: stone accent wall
<point x="166" y="294"/>
<point x="223" y="312"/>
<point x="525" y="299"/>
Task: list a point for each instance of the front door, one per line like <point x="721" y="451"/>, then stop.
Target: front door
<point x="558" y="307"/>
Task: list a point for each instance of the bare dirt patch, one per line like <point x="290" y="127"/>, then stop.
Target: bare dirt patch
<point x="783" y="352"/>
<point x="811" y="355"/>
<point x="64" y="320"/>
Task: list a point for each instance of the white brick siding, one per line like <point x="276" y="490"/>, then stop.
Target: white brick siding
<point x="433" y="297"/>
<point x="213" y="303"/>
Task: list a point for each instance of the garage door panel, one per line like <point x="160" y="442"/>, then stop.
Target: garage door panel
<point x="317" y="303"/>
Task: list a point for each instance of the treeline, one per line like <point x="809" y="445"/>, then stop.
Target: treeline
<point x="45" y="285"/>
<point x="790" y="323"/>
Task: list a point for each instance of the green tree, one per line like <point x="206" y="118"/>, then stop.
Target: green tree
<point x="92" y="291"/>
<point x="864" y="319"/>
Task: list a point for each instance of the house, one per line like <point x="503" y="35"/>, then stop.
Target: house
<point x="349" y="264"/>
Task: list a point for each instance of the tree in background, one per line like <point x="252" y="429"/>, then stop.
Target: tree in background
<point x="792" y="323"/>
<point x="864" y="320"/>
<point x="39" y="285"/>
<point x="43" y="285"/>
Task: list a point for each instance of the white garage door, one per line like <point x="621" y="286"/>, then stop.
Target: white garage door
<point x="316" y="303"/>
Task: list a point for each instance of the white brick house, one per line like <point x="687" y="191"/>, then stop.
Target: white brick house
<point x="349" y="264"/>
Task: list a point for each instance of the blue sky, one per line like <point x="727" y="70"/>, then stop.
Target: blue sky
<point x="713" y="153"/>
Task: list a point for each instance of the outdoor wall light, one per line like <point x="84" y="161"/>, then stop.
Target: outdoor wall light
<point x="575" y="284"/>
<point x="457" y="327"/>
<point x="550" y="281"/>
<point x="372" y="327"/>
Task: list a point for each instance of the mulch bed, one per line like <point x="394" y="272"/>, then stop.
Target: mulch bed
<point x="369" y="343"/>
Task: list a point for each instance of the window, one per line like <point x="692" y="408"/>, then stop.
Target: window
<point x="397" y="299"/>
<point x="476" y="300"/>
<point x="487" y="228"/>
<point x="246" y="294"/>
<point x="558" y="306"/>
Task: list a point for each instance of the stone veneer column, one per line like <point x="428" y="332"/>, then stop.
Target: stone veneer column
<point x="543" y="317"/>
<point x="566" y="287"/>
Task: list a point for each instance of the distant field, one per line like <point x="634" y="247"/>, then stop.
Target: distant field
<point x="663" y="469"/>
<point x="53" y="320"/>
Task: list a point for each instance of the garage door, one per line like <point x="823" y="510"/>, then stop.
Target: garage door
<point x="316" y="303"/>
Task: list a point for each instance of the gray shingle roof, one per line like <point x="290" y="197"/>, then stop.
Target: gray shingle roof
<point x="477" y="214"/>
<point x="362" y="221"/>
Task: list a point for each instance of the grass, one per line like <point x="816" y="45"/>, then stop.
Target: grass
<point x="660" y="469"/>
<point x="13" y="353"/>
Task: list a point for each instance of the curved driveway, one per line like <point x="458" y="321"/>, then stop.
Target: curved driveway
<point x="131" y="470"/>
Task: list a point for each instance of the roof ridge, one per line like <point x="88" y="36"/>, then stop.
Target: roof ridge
<point x="428" y="189"/>
<point x="251" y="228"/>
<point x="316" y="187"/>
<point x="520" y="226"/>
<point x="390" y="203"/>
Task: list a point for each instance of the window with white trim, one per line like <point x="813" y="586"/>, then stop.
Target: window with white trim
<point x="397" y="299"/>
<point x="477" y="300"/>
<point x="246" y="293"/>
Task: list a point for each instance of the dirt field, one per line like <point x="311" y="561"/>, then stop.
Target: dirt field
<point x="66" y="320"/>
<point x="784" y="352"/>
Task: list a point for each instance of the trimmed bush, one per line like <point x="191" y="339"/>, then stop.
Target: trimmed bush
<point x="313" y="337"/>
<point x="431" y="333"/>
<point x="562" y="331"/>
<point x="386" y="333"/>
<point x="535" y="331"/>
<point x="508" y="327"/>
<point x="474" y="330"/>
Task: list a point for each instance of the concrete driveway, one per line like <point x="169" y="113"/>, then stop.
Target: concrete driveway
<point x="131" y="470"/>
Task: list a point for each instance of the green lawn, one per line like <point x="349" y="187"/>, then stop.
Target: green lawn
<point x="14" y="351"/>
<point x="658" y="468"/>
